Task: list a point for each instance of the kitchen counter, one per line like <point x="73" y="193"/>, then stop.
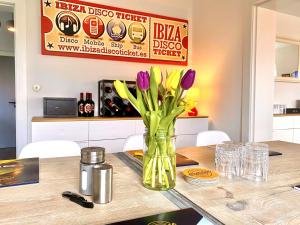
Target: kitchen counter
<point x="97" y="118"/>
<point x="282" y="115"/>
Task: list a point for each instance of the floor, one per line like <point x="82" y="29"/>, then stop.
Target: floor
<point x="7" y="153"/>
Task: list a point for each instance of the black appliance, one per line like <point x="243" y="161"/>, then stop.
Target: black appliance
<point x="292" y="110"/>
<point x="110" y="104"/>
<point x="60" y="107"/>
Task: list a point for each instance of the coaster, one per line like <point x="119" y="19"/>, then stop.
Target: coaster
<point x="200" y="176"/>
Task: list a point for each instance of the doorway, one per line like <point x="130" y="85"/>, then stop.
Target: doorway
<point x="7" y="84"/>
<point x="275" y="25"/>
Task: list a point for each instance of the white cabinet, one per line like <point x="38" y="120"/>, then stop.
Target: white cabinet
<point x="286" y="128"/>
<point x="110" y="133"/>
<point x="83" y="144"/>
<point x="284" y="122"/>
<point x="191" y="125"/>
<point x="71" y="131"/>
<point x="296" y="136"/>
<point x="296" y="122"/>
<point x="112" y="129"/>
<point x="283" y="135"/>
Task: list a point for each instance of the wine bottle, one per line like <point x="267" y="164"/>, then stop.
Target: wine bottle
<point x="93" y="105"/>
<point x="81" y="103"/>
<point x="89" y="105"/>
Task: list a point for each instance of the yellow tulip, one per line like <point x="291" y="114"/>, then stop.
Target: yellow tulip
<point x="191" y="98"/>
<point x="192" y="94"/>
<point x="189" y="105"/>
<point x="173" y="80"/>
<point x="120" y="89"/>
<point x="157" y="74"/>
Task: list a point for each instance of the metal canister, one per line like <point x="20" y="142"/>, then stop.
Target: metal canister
<point x="90" y="157"/>
<point x="102" y="183"/>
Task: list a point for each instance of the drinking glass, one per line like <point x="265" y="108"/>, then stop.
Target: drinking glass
<point x="227" y="159"/>
<point x="255" y="162"/>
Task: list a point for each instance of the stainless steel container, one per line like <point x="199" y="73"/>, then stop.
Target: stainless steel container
<point x="90" y="157"/>
<point x="102" y="183"/>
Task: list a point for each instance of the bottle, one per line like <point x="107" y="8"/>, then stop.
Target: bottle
<point x="92" y="104"/>
<point x="81" y="103"/>
<point x="87" y="106"/>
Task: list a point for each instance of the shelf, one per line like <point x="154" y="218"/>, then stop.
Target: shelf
<point x="287" y="79"/>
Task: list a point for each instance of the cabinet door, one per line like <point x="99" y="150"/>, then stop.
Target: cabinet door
<point x="283" y="135"/>
<point x="111" y="146"/>
<point x="139" y="127"/>
<point x="104" y="130"/>
<point x="296" y="136"/>
<point x="72" y="131"/>
<point x="296" y="122"/>
<point x="283" y="123"/>
<point x="83" y="144"/>
<point x="191" y="125"/>
<point x="185" y="141"/>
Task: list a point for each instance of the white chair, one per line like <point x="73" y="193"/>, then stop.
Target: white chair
<point x="50" y="149"/>
<point x="134" y="142"/>
<point x="212" y="137"/>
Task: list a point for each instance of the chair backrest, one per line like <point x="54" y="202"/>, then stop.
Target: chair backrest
<point x="212" y="137"/>
<point x="134" y="142"/>
<point x="50" y="149"/>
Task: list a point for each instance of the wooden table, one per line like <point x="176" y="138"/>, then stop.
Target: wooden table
<point x="243" y="202"/>
<point x="42" y="203"/>
<point x="230" y="201"/>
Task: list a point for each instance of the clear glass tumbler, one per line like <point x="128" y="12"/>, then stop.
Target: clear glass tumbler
<point x="255" y="162"/>
<point x="227" y="160"/>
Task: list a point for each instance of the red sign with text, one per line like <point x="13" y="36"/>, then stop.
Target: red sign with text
<point x="82" y="29"/>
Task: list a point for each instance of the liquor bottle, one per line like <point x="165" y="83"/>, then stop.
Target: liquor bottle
<point x="89" y="106"/>
<point x="93" y="105"/>
<point x="81" y="103"/>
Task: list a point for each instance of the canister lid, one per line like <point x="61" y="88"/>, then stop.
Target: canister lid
<point x="92" y="155"/>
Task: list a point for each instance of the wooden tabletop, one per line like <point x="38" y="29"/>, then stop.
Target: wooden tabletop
<point x="240" y="201"/>
<point x="42" y="203"/>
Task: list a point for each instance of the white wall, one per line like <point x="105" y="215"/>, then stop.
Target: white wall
<point x="7" y="111"/>
<point x="67" y="77"/>
<point x="219" y="48"/>
<point x="287" y="93"/>
<point x="219" y="51"/>
<point x="289" y="27"/>
<point x="287" y="59"/>
<point x="264" y="74"/>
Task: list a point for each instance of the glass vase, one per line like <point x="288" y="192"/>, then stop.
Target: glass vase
<point x="159" y="161"/>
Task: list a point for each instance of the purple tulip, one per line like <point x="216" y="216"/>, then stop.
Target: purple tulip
<point x="188" y="79"/>
<point x="143" y="80"/>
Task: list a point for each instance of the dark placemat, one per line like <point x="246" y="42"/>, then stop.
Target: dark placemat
<point x="181" y="217"/>
<point x="19" y="172"/>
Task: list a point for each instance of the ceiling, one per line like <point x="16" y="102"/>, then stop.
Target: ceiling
<point x="291" y="7"/>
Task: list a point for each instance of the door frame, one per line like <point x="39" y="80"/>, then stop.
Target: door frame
<point x="249" y="83"/>
<point x="20" y="72"/>
<point x="250" y="118"/>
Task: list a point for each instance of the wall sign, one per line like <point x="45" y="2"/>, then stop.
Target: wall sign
<point x="82" y="29"/>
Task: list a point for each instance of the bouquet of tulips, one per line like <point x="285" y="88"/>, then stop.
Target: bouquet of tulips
<point x="159" y="103"/>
